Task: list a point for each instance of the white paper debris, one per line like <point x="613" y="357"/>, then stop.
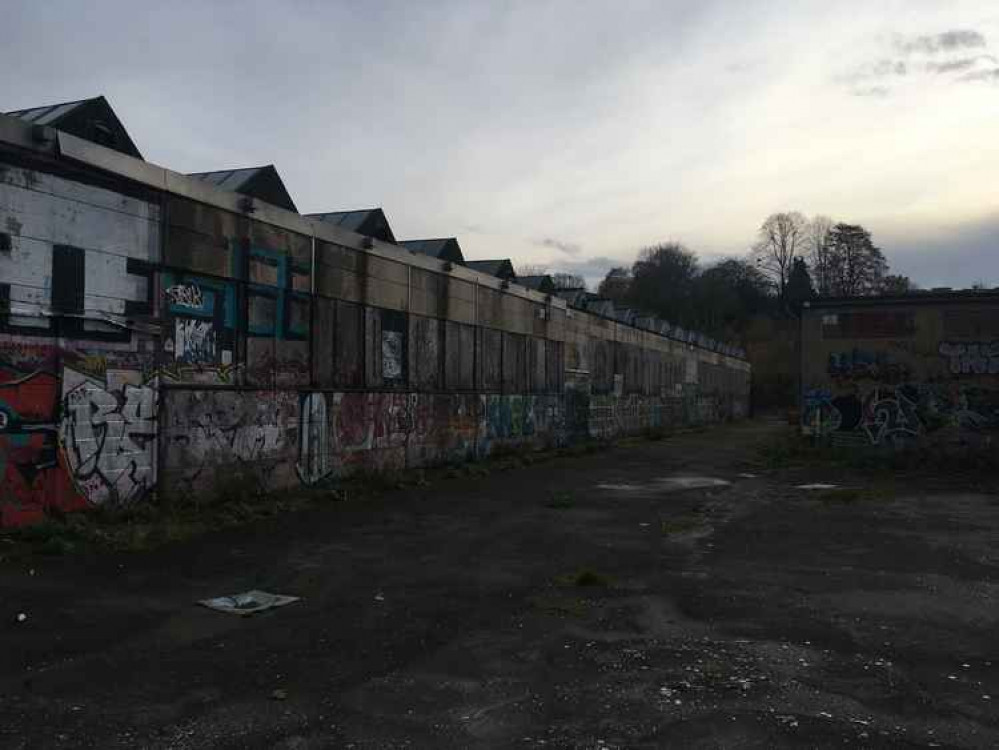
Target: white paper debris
<point x="247" y="603"/>
<point x="816" y="486"/>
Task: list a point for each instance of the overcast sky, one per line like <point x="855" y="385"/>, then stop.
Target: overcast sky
<point x="567" y="134"/>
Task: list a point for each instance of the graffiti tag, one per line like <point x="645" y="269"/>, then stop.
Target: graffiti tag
<point x="109" y="437"/>
<point x="971" y="358"/>
<point x="185" y="295"/>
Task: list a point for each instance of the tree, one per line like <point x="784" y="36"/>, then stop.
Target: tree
<point x="782" y="238"/>
<point x="856" y="266"/>
<point x="662" y="280"/>
<point x="897" y="284"/>
<point x="817" y="258"/>
<point x="726" y="295"/>
<point x="799" y="286"/>
<point x="616" y="285"/>
<point x="568" y="281"/>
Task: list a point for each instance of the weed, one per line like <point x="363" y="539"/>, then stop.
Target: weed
<point x="681" y="524"/>
<point x="561" y="501"/>
<point x="559" y="606"/>
<point x="849" y="495"/>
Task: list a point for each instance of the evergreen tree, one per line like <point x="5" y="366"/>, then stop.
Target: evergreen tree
<point x="799" y="286"/>
<point x="856" y="267"/>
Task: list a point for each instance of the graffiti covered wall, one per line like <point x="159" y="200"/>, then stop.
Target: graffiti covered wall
<point x="898" y="375"/>
<point x="150" y="341"/>
<point x="78" y="390"/>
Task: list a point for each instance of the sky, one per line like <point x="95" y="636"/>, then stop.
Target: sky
<point x="563" y="134"/>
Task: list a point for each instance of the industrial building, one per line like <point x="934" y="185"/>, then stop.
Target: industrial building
<point x="168" y="333"/>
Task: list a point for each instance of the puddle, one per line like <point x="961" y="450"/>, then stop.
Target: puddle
<point x="667" y="484"/>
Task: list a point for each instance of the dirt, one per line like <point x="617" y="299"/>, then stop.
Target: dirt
<point x="615" y="600"/>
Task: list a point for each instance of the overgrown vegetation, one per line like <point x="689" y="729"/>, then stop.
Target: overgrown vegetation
<point x="963" y="463"/>
<point x="681" y="524"/>
<point x="242" y="497"/>
<point x="559" y="606"/>
<point x="561" y="501"/>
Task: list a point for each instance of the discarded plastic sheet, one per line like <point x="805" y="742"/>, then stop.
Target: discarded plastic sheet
<point x="816" y="486"/>
<point x="247" y="603"/>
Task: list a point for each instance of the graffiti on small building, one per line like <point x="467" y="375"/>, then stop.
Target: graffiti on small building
<point x="898" y="393"/>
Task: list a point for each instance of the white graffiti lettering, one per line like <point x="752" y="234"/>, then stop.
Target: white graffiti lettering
<point x="109" y="437"/>
<point x="185" y="295"/>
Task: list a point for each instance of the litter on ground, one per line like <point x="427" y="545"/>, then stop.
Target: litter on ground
<point x="247" y="603"/>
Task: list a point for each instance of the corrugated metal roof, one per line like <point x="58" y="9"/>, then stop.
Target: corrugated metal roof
<point x="48" y="114"/>
<point x="500" y="267"/>
<point x="229" y="179"/>
<point x="540" y="283"/>
<point x="433" y="247"/>
<point x="91" y="119"/>
<point x="350" y="220"/>
<point x="269" y="187"/>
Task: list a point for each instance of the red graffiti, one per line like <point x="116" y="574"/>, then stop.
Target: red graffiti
<point x="35" y="480"/>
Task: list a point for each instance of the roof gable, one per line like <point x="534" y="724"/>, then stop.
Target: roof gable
<point x="541" y="283"/>
<point x="442" y="248"/>
<point x="263" y="183"/>
<point x="501" y="268"/>
<point x="91" y="119"/>
<point x="371" y="222"/>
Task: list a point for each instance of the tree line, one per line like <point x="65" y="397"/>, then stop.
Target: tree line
<point x="792" y="260"/>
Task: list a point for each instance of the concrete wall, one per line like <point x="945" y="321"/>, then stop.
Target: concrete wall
<point x="892" y="375"/>
<point x="153" y="338"/>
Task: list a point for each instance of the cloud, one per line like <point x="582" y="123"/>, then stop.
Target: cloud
<point x="952" y="66"/>
<point x="884" y="68"/>
<point x="880" y="77"/>
<point x="875" y="91"/>
<point x="569" y="248"/>
<point x="991" y="74"/>
<point x="946" y="41"/>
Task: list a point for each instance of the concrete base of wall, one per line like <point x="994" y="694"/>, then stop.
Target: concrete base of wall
<point x="215" y="441"/>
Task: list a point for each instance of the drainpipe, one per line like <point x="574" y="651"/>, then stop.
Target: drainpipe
<point x="312" y="313"/>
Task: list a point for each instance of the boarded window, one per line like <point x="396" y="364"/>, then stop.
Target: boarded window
<point x="67" y="279"/>
<point x="460" y="356"/>
<point x="348" y="344"/>
<point x="514" y="363"/>
<point x="297" y="317"/>
<point x="261" y="313"/>
<point x="490" y="360"/>
<point x="537" y="364"/>
<point x="426" y="352"/>
<point x="265" y="270"/>
<point x="555" y="354"/>
<point x="603" y="366"/>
